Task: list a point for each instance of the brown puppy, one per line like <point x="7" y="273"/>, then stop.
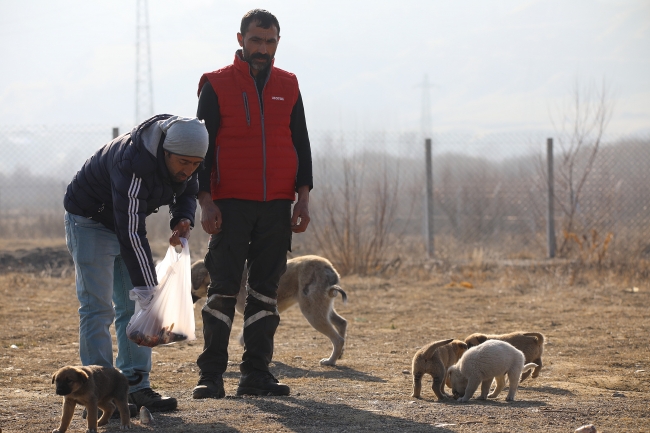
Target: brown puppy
<point x="94" y="387"/>
<point x="311" y="282"/>
<point x="434" y="359"/>
<point x="530" y="343"/>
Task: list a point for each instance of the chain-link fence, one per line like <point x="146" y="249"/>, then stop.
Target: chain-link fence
<point x="490" y="194"/>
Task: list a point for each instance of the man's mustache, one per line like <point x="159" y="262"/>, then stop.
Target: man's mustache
<point x="261" y="56"/>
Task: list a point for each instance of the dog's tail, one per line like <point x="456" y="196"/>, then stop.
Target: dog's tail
<point x="429" y="352"/>
<point x="537" y="335"/>
<point x="529" y="366"/>
<point x="332" y="293"/>
<point x="138" y="380"/>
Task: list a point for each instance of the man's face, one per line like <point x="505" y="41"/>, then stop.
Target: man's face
<point x="181" y="167"/>
<point x="258" y="46"/>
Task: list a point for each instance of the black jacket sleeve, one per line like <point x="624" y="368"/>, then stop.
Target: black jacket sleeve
<point x="208" y="111"/>
<point x="300" y="138"/>
<point x="130" y="193"/>
<point x="184" y="205"/>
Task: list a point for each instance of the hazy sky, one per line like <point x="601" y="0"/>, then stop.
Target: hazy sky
<point x="497" y="66"/>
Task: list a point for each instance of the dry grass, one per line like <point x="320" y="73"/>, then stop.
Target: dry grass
<point x="597" y="357"/>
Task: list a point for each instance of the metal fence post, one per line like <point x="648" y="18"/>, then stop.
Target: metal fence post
<point x="427" y="144"/>
<point x="550" y="217"/>
<point x="116" y="132"/>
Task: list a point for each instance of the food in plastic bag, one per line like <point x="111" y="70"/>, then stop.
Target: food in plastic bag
<point x="165" y="314"/>
<point x="165" y="336"/>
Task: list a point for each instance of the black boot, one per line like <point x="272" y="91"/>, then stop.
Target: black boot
<point x="152" y="400"/>
<point x="209" y="386"/>
<point x="259" y="382"/>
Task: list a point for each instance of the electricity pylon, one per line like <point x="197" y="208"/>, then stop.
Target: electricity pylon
<point x="143" y="82"/>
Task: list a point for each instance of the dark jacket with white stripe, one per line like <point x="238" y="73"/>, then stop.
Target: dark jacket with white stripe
<point x="125" y="181"/>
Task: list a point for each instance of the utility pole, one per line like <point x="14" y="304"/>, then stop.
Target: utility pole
<point x="425" y="115"/>
<point x="550" y="213"/>
<point x="143" y="82"/>
<point x="426" y="130"/>
<point x="429" y="189"/>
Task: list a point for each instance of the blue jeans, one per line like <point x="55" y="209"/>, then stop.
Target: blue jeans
<point x="102" y="280"/>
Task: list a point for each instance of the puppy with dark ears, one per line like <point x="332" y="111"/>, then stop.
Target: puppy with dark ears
<point x="94" y="387"/>
<point x="434" y="359"/>
<point x="530" y="343"/>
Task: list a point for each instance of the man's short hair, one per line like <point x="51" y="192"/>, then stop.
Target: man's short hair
<point x="261" y="17"/>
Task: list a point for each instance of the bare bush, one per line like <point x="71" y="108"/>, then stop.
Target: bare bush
<point x="580" y="130"/>
<point x="356" y="211"/>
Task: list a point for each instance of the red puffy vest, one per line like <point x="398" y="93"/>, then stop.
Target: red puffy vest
<point x="254" y="154"/>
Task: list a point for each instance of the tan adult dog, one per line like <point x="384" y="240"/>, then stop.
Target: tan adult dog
<point x="530" y="343"/>
<point x="94" y="387"/>
<point x="311" y="282"/>
<point x="480" y="365"/>
<point x="434" y="359"/>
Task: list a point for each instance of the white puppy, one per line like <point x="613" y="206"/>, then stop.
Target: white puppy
<point x="479" y="365"/>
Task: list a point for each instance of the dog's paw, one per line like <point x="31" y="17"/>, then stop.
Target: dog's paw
<point x="327" y="361"/>
<point x="56" y="431"/>
<point x="91" y="430"/>
<point x="126" y="427"/>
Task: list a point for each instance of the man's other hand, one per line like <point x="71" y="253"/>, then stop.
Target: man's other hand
<point x="181" y="230"/>
<point x="210" y="214"/>
<point x="300" y="217"/>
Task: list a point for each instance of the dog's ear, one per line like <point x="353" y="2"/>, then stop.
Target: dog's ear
<point x="481" y="339"/>
<point x="83" y="376"/>
<point x="53" y="377"/>
<point x="462" y="345"/>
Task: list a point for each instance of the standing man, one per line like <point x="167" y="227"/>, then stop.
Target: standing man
<point x="259" y="158"/>
<point x="106" y="205"/>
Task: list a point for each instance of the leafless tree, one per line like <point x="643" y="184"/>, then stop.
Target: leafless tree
<point x="580" y="131"/>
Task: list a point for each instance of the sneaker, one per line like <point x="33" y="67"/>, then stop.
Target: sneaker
<point x="133" y="411"/>
<point x="209" y="387"/>
<point x="260" y="382"/>
<point x="153" y="401"/>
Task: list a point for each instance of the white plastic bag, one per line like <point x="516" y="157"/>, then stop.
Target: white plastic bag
<point x="165" y="314"/>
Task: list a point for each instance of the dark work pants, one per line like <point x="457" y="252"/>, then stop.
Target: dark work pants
<point x="257" y="234"/>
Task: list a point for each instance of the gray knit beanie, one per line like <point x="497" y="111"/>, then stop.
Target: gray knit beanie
<point x="185" y="136"/>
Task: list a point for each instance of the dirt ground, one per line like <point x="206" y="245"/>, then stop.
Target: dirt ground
<point x="596" y="359"/>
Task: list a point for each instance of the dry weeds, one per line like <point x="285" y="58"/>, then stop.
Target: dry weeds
<point x="597" y="358"/>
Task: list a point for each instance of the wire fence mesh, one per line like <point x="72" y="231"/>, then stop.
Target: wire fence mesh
<point x="490" y="193"/>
